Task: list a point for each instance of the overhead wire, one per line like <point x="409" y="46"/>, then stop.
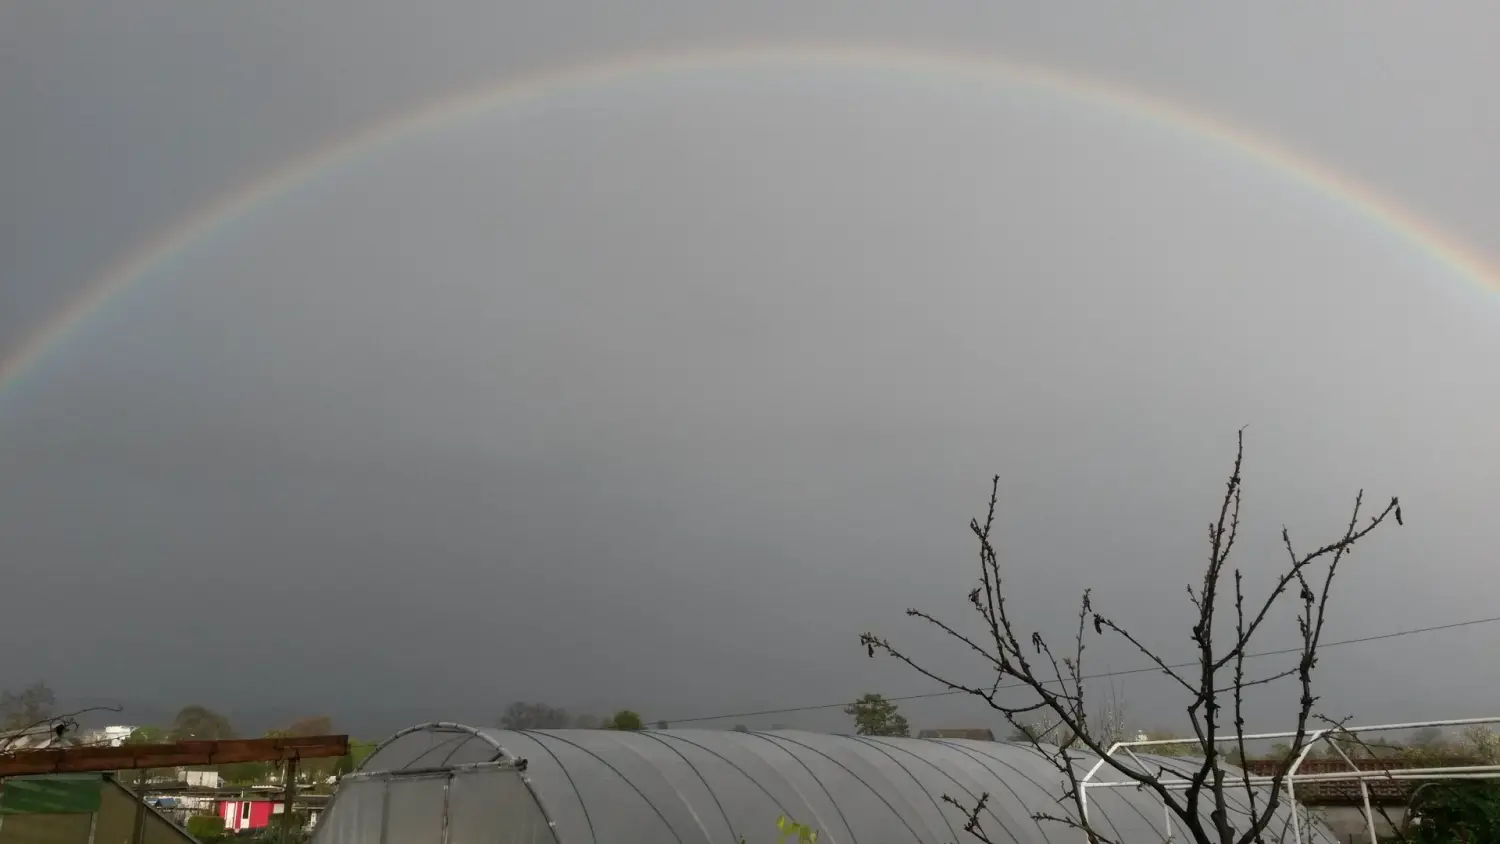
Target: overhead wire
<point x="1145" y="669"/>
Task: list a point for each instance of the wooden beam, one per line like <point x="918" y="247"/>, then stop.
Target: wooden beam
<point x="71" y="760"/>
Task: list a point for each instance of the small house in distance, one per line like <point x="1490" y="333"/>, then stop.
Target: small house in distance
<point x="965" y="733"/>
<point x="249" y="811"/>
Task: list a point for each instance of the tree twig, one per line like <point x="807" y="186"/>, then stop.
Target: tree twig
<point x="1057" y="686"/>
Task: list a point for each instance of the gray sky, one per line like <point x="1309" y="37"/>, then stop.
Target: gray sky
<point x="657" y="395"/>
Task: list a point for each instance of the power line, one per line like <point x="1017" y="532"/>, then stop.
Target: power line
<point x="1149" y="669"/>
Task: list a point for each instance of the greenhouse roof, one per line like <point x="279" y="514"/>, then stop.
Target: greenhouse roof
<point x="682" y="786"/>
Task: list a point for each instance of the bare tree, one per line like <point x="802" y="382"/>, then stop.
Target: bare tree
<point x="535" y="716"/>
<point x="33" y="705"/>
<point x="49" y="730"/>
<point x="1110" y="724"/>
<point x="1054" y="680"/>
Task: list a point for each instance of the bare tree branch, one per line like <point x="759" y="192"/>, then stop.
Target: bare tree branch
<point x="1056" y="681"/>
<point x="57" y="726"/>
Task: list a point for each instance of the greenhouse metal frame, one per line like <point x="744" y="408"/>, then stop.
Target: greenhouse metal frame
<point x="447" y="783"/>
<point x="1327" y="736"/>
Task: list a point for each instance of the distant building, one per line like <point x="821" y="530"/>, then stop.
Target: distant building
<point x="969" y="733"/>
<point x="39" y="737"/>
<point x="199" y="779"/>
<point x="248" y="812"/>
<point x="112" y="736"/>
<point x="45" y="736"/>
<point x="260" y="810"/>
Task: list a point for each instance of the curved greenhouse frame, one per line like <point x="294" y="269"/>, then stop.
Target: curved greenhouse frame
<point x="446" y="783"/>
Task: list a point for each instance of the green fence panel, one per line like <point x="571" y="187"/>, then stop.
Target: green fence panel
<point x="50" y="795"/>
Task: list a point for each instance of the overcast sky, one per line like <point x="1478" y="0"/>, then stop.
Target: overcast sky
<point x="658" y="394"/>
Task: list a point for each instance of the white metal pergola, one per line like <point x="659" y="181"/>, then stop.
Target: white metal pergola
<point x="1327" y="736"/>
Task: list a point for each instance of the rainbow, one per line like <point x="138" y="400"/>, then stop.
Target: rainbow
<point x="132" y="268"/>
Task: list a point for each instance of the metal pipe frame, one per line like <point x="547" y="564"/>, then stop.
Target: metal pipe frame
<point x="1293" y="777"/>
<point x="504" y="759"/>
<point x="501" y="752"/>
<point x="429" y="773"/>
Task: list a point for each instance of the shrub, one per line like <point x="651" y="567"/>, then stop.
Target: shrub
<point x="206" y="828"/>
<point x="1456" y="812"/>
<point x="790" y="832"/>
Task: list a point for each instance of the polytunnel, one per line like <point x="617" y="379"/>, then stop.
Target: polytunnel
<point x="446" y="783"/>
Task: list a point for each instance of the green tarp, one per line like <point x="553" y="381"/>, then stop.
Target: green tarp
<point x="59" y="794"/>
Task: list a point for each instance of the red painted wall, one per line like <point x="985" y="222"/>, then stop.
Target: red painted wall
<point x="260" y="814"/>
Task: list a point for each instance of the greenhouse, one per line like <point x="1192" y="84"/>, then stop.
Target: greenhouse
<point x="450" y="784"/>
<point x="80" y="809"/>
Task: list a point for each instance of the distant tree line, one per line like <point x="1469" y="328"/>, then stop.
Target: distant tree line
<point x="523" y="715"/>
<point x="36" y="706"/>
<point x="32" y="706"/>
<point x="198" y="722"/>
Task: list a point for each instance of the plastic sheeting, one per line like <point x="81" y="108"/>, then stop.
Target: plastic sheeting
<point x="354" y="816"/>
<point x="494" y="807"/>
<point x="466" y="805"/>
<point x="81" y="809"/>
<point x="692" y="786"/>
<point x="415" y="809"/>
<point x="439" y="746"/>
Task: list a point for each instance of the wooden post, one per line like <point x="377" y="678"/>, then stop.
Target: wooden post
<point x="288" y="794"/>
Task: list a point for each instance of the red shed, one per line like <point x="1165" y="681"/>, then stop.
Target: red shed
<point x="247" y="812"/>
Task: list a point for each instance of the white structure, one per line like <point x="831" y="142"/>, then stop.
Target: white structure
<point x="113" y="736"/>
<point x="1303" y="828"/>
<point x="456" y="784"/>
<point x="32" y="738"/>
<point x="200" y="779"/>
